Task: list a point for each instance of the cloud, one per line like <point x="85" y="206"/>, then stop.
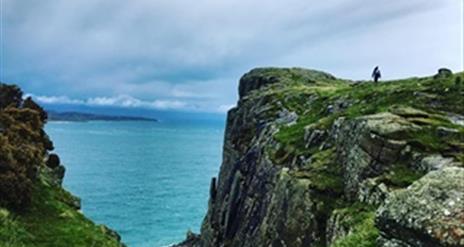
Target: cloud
<point x="56" y="100"/>
<point x="195" y="53"/>
<point x="124" y="101"/>
<point x="128" y="101"/>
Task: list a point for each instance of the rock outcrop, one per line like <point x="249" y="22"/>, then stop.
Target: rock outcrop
<point x="428" y="213"/>
<point x="312" y="160"/>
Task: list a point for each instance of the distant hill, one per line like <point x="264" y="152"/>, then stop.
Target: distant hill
<point x="83" y="117"/>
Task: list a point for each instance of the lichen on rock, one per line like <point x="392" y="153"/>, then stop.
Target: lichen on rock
<point x="428" y="213"/>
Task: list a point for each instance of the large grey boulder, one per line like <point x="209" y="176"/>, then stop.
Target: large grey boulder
<point x="428" y="213"/>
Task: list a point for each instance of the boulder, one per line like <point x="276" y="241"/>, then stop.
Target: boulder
<point x="191" y="240"/>
<point x="443" y="73"/>
<point x="435" y="162"/>
<point x="53" y="161"/>
<point x="287" y="117"/>
<point x="429" y="213"/>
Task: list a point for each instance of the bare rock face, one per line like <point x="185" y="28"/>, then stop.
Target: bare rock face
<point x="291" y="219"/>
<point x="368" y="145"/>
<point x="428" y="213"/>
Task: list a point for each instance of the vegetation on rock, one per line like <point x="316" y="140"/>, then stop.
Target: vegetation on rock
<point x="35" y="210"/>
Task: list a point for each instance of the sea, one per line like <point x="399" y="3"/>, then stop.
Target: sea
<point x="149" y="181"/>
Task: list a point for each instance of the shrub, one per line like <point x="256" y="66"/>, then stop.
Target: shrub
<point x="458" y="82"/>
<point x="10" y="95"/>
<point x="30" y="104"/>
<point x="23" y="146"/>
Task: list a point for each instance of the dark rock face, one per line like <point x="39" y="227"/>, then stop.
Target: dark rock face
<point x="251" y="82"/>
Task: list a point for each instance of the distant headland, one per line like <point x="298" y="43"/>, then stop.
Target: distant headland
<point x="85" y="117"/>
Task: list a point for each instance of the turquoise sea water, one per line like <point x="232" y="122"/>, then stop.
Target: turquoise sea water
<point x="149" y="181"/>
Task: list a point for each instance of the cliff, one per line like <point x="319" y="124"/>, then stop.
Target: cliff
<point x="35" y="210"/>
<point x="313" y="160"/>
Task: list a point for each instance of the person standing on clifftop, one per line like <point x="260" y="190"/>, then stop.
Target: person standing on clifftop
<point x="376" y="74"/>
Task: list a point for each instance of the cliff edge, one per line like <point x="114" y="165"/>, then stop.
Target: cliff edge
<point x="313" y="160"/>
<point x="35" y="210"/>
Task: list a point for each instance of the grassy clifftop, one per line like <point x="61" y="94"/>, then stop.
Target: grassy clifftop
<point x="34" y="209"/>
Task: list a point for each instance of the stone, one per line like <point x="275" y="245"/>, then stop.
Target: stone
<point x="53" y="161"/>
<point x="427" y="213"/>
<point x="409" y="112"/>
<point x="447" y="132"/>
<point x="191" y="240"/>
<point x="335" y="229"/>
<point x="368" y="145"/>
<point x="435" y="162"/>
<point x="389" y="125"/>
<point x="313" y="136"/>
<point x="286" y="117"/>
<point x="372" y="191"/>
<point x="58" y="174"/>
<point x="443" y="73"/>
<point x="110" y="232"/>
<point x="456" y="119"/>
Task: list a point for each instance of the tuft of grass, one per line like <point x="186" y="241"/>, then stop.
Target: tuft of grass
<point x="360" y="218"/>
<point x="324" y="173"/>
<point x="364" y="235"/>
<point x="402" y="176"/>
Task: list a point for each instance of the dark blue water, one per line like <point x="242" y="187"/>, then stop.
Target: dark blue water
<point x="149" y="181"/>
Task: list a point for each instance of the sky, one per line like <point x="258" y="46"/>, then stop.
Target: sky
<point x="189" y="55"/>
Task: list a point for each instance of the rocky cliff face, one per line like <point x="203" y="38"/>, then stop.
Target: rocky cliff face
<point x="312" y="160"/>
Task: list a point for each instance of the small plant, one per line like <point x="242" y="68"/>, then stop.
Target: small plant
<point x="458" y="82"/>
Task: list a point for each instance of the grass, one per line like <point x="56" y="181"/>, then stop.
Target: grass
<point x="324" y="173"/>
<point x="401" y="176"/>
<point x="12" y="233"/>
<point x="51" y="221"/>
<point x="364" y="233"/>
<point x="358" y="217"/>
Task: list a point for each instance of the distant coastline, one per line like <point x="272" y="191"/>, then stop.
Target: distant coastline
<point x="86" y="117"/>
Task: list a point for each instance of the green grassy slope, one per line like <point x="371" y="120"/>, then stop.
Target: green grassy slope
<point x="51" y="220"/>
